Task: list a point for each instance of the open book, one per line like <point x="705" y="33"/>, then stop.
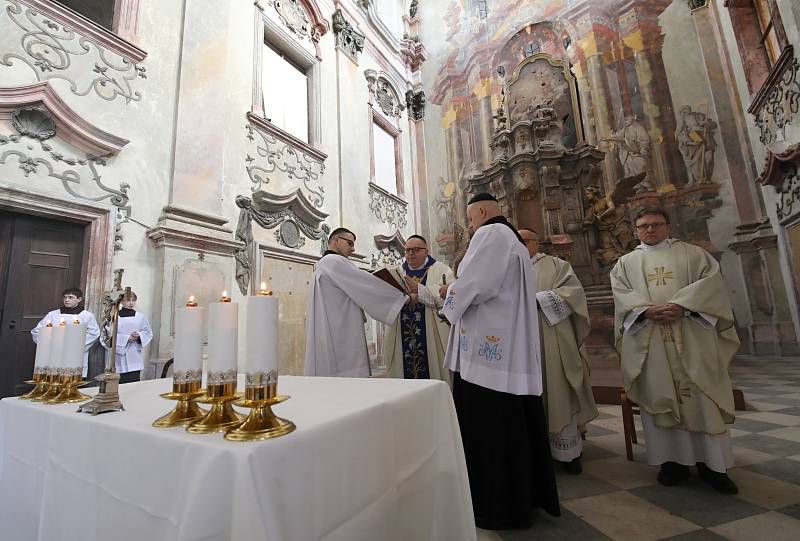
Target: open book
<point x="393" y="277"/>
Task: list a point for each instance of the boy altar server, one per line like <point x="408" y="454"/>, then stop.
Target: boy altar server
<point x="134" y="333"/>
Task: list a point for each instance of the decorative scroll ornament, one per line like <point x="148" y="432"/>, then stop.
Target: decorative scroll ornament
<point x="33" y="122"/>
<point x="293" y="215"/>
<point x="415" y="102"/>
<point x="383" y="92"/>
<point x="272" y="155"/>
<point x="782" y="172"/>
<point x="781" y="104"/>
<point x="390" y="250"/>
<point x="348" y="40"/>
<point x="52" y="51"/>
<point x="293" y="16"/>
<point x="388" y="208"/>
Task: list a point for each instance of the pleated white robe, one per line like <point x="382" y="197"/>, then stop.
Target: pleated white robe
<point x="336" y="343"/>
<point x="129" y="354"/>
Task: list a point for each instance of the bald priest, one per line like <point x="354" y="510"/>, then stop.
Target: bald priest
<point x="493" y="350"/>
<point x="336" y="343"/>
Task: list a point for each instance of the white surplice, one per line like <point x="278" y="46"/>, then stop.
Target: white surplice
<point x="336" y="343"/>
<point x="85" y="317"/>
<point x="494" y="338"/>
<point x="129" y="353"/>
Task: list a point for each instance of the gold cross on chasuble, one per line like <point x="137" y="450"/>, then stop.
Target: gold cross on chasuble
<point x="660" y="276"/>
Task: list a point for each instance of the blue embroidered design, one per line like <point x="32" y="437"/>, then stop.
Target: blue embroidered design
<point x="490" y="349"/>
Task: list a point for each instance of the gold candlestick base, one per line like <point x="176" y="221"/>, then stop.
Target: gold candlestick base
<point x="221" y="416"/>
<point x="69" y="392"/>
<point x="185" y="412"/>
<point x="53" y="390"/>
<point x="261" y="423"/>
<point x="37" y="392"/>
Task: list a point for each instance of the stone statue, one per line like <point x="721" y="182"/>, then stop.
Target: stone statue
<point x="244" y="234"/>
<point x="633" y="149"/>
<point x="697" y="143"/>
<point x="412" y="10"/>
<point x="445" y="204"/>
<point x="614" y="233"/>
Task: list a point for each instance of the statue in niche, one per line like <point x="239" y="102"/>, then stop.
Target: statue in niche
<point x="614" y="232"/>
<point x="412" y="10"/>
<point x="696" y="137"/>
<point x="547" y="127"/>
<point x="633" y="150"/>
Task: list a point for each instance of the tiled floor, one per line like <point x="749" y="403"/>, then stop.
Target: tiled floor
<point x="621" y="500"/>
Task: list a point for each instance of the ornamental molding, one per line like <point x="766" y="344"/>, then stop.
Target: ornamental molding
<point x="53" y="50"/>
<point x="782" y="172"/>
<point x="70" y="126"/>
<point x="384" y="93"/>
<point x="778" y="101"/>
<point x="302" y="17"/>
<point x="390" y="250"/>
<point x="374" y="20"/>
<point x="294" y="216"/>
<point x="415" y="103"/>
<point x="413" y="53"/>
<point x="273" y="150"/>
<point x="388" y="208"/>
<point x="348" y="39"/>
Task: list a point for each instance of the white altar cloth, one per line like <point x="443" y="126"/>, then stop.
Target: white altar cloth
<point x="371" y="459"/>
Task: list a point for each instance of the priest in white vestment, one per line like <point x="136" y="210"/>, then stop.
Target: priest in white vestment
<point x="133" y="335"/>
<point x="72" y="308"/>
<point x="493" y="350"/>
<point x="563" y="328"/>
<point x="336" y="342"/>
<point x="415" y="345"/>
<point x="675" y="335"/>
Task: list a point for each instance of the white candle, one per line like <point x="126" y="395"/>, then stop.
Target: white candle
<point x="43" y="347"/>
<point x="57" y="345"/>
<point x="189" y="338"/>
<point x="223" y="336"/>
<point x="262" y="334"/>
<point x="74" y="344"/>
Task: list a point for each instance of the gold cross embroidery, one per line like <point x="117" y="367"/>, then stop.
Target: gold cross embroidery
<point x="660" y="276"/>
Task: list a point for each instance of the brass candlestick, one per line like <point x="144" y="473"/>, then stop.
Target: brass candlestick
<point x="71" y="379"/>
<point x="52" y="384"/>
<point x="220" y="393"/>
<point x="186" y="390"/>
<point x="40" y="380"/>
<point x="261" y="393"/>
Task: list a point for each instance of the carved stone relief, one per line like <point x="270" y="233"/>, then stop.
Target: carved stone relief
<point x="53" y="51"/>
<point x="382" y="92"/>
<point x="270" y="155"/>
<point x="782" y="172"/>
<point x="390" y="250"/>
<point x="388" y="208"/>
<point x="778" y="103"/>
<point x="348" y="40"/>
<point x="415" y="102"/>
<point x="293" y="16"/>
<point x="294" y="216"/>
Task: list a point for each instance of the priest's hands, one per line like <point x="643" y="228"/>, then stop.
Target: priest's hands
<point x="411" y="284"/>
<point x="665" y="312"/>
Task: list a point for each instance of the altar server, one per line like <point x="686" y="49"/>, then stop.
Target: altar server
<point x="675" y="335"/>
<point x="71" y="308"/>
<point x="415" y="344"/>
<point x="563" y="328"/>
<point x="133" y="335"/>
<point x="336" y="343"/>
<point x="493" y="350"/>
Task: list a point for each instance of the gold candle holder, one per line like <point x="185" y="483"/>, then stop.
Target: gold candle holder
<point x="186" y="389"/>
<point x="53" y="384"/>
<point x="40" y="381"/>
<point x="220" y="394"/>
<point x="71" y="379"/>
<point x="261" y="393"/>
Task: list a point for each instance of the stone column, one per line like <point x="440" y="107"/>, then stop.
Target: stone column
<point x="483" y="93"/>
<point x="191" y="237"/>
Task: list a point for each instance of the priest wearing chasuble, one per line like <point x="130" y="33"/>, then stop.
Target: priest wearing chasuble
<point x="563" y="328"/>
<point x="675" y="335"/>
<point x="493" y="350"/>
<point x="415" y="344"/>
<point x="336" y="343"/>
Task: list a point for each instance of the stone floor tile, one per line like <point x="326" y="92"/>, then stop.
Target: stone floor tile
<point x="622" y="473"/>
<point x="789" y="411"/>
<point x="780" y="389"/>
<point x="735" y="433"/>
<point x="762" y="406"/>
<point x="772" y="526"/>
<point x="791" y="433"/>
<point x="697" y="502"/>
<point x="782" y="468"/>
<point x="592" y="451"/>
<point x="768" y="444"/>
<point x="624" y="516"/>
<point x="488" y="535"/>
<point x="772" y="417"/>
<point x="781" y="399"/>
<point x="616" y="444"/>
<point x="751" y="425"/>
<point x="794" y="457"/>
<point x="597" y="430"/>
<point x="796" y="395"/>
<point x="572" y="487"/>
<point x="697" y="535"/>
<point x="547" y="528"/>
<point x="764" y="491"/>
<point x="744" y="456"/>
<point x="792" y="510"/>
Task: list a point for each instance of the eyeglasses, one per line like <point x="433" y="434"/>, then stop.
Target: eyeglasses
<point x="645" y="227"/>
<point x="349" y="242"/>
<point x="414" y="250"/>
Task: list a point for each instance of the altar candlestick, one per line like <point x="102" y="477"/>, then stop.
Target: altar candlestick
<point x="43" y="348"/>
<point x="189" y="337"/>
<point x="262" y="333"/>
<point x="223" y="325"/>
<point x="57" y="345"/>
<point x="73" y="345"/>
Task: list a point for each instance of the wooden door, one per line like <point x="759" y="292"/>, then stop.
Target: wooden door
<point x="39" y="258"/>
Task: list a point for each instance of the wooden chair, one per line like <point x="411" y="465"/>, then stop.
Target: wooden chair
<point x="629" y="408"/>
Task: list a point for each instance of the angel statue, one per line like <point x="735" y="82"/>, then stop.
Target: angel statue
<point x="614" y="233"/>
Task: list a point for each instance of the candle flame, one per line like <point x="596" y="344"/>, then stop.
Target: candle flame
<point x="263" y="286"/>
<point x="224" y="293"/>
<point x="191" y="303"/>
<point x="76" y="321"/>
<point x="61" y="323"/>
<point x="191" y="298"/>
<point x="225" y="297"/>
<point x="264" y="292"/>
<point x="49" y="323"/>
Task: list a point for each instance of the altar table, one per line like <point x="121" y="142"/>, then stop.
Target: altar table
<point x="371" y="459"/>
